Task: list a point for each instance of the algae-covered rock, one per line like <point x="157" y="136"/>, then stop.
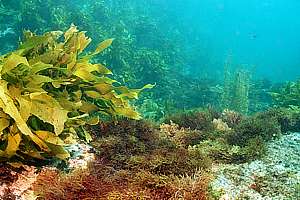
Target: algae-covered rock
<point x="275" y="176"/>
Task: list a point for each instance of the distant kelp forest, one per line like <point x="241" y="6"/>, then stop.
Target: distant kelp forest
<point x="151" y="46"/>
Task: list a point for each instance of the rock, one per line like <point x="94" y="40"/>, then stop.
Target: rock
<point x="16" y="184"/>
<point x="275" y="176"/>
<point x="82" y="154"/>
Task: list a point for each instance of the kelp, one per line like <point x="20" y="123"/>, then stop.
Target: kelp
<point x="236" y="88"/>
<point x="50" y="89"/>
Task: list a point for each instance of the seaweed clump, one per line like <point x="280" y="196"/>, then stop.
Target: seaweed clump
<point x="254" y="127"/>
<point x="134" y="145"/>
<point x="230" y="137"/>
<point x="200" y="120"/>
<point x="49" y="90"/>
<point x="286" y="96"/>
<point x="141" y="160"/>
<point x="135" y="160"/>
<point x="101" y="182"/>
<point x="288" y="118"/>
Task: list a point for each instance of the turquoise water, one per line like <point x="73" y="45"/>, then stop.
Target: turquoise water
<point x="261" y="33"/>
<point x="182" y="46"/>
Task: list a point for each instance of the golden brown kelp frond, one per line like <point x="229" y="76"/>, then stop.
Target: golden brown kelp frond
<point x="49" y="90"/>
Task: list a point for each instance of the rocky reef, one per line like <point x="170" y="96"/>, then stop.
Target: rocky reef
<point x="275" y="176"/>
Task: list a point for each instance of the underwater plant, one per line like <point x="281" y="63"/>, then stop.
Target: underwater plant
<point x="133" y="160"/>
<point x="288" y="118"/>
<point x="102" y="182"/>
<point x="227" y="137"/>
<point x="49" y="89"/>
<point x="259" y="95"/>
<point x="199" y="120"/>
<point x="236" y="89"/>
<point x="287" y="96"/>
<point x="256" y="126"/>
<point x="242" y="85"/>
